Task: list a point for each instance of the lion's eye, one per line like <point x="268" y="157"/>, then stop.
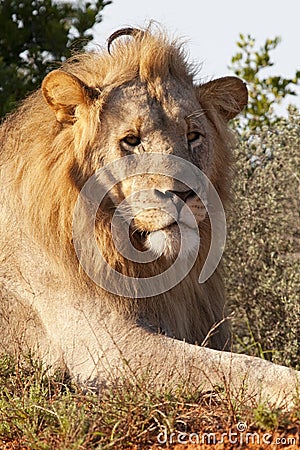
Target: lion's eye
<point x="131" y="140"/>
<point x="193" y="136"/>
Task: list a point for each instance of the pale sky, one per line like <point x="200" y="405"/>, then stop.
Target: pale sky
<point x="212" y="27"/>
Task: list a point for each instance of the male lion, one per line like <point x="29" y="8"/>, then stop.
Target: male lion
<point x="109" y="315"/>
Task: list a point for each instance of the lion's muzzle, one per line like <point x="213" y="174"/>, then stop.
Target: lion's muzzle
<point x="157" y="217"/>
<point x="155" y="209"/>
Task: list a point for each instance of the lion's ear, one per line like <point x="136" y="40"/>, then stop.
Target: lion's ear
<point x="228" y="95"/>
<point x="63" y="92"/>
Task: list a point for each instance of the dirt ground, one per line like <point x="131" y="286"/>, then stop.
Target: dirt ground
<point x="288" y="440"/>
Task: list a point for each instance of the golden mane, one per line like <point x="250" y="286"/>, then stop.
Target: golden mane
<point x="149" y="57"/>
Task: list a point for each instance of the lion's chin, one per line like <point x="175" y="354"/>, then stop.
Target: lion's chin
<point x="167" y="242"/>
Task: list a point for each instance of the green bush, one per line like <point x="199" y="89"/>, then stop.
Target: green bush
<point x="265" y="91"/>
<point x="263" y="248"/>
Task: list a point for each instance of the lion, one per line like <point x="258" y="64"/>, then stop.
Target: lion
<point x="134" y="113"/>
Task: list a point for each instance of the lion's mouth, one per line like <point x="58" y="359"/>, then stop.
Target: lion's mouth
<point x="142" y="234"/>
<point x="167" y="241"/>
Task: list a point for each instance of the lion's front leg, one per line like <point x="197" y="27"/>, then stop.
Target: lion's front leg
<point x="113" y="350"/>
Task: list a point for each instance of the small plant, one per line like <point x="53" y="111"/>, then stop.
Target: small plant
<point x="265" y="417"/>
<point x="265" y="92"/>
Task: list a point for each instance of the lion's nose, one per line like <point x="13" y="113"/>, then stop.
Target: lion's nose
<point x="176" y="196"/>
<point x="184" y="195"/>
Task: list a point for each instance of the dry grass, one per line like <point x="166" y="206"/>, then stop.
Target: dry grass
<point x="42" y="412"/>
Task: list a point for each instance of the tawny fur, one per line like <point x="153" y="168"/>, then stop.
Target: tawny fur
<point x="50" y="147"/>
<point x="46" y="164"/>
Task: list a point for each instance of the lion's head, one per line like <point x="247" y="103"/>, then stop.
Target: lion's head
<point x="141" y="99"/>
